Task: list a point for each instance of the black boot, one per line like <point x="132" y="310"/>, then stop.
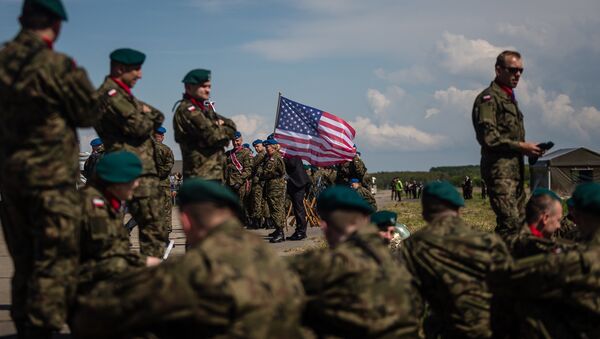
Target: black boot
<point x="298" y="235"/>
<point x="278" y="237"/>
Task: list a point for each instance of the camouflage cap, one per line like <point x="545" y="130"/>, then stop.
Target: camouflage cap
<point x="128" y="56"/>
<point x="544" y="191"/>
<point x="256" y="142"/>
<point x="196" y="77"/>
<point x="587" y="197"/>
<point x="444" y="190"/>
<point x="383" y="219"/>
<point x="198" y="190"/>
<point x="344" y="198"/>
<point x="53" y="6"/>
<point x="119" y="167"/>
<point x="161" y="130"/>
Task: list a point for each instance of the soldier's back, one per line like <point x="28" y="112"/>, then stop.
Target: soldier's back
<point x="451" y="263"/>
<point x="358" y="290"/>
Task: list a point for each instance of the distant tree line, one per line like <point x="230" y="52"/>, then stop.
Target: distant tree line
<point x="454" y="174"/>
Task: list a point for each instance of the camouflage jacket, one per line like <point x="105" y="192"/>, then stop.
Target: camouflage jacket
<point x="358" y="290"/>
<point x="233" y="175"/>
<point x="104" y="241"/>
<point x="499" y="128"/>
<point x="164" y="163"/>
<point x="90" y="163"/>
<point x="273" y="172"/>
<point x="201" y="139"/>
<point x="257" y="164"/>
<point x="125" y="126"/>
<point x="44" y="97"/>
<point x="568" y="229"/>
<point x="351" y="169"/>
<point x="230" y="285"/>
<point x="557" y="294"/>
<point x="524" y="244"/>
<point x="451" y="263"/>
<point x="365" y="193"/>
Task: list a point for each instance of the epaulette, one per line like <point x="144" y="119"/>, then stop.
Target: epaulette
<point x="98" y="202"/>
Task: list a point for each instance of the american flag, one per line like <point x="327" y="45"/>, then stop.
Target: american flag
<point x="318" y="137"/>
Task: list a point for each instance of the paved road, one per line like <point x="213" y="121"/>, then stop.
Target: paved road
<point x="314" y="239"/>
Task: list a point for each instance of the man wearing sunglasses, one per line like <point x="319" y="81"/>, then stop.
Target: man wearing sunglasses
<point x="498" y="124"/>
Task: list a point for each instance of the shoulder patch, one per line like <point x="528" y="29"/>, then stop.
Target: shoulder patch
<point x="97" y="202"/>
<point x="487" y="97"/>
<point x="112" y="92"/>
<point x="191" y="108"/>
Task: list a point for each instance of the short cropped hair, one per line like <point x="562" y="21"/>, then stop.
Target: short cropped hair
<point x="501" y="59"/>
<point x="538" y="206"/>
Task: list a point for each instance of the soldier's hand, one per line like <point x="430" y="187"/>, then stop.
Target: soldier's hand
<point x="152" y="261"/>
<point x="146" y="108"/>
<point x="220" y="122"/>
<point x="530" y="149"/>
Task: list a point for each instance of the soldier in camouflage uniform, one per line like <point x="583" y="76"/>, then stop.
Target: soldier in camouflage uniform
<point x="256" y="195"/>
<point x="90" y="163"/>
<point x="498" y="124"/>
<point x="229" y="284"/>
<point x="44" y="97"/>
<point x="127" y="123"/>
<point x="273" y="174"/>
<point x="351" y="169"/>
<point x="104" y="242"/>
<point x="568" y="228"/>
<point x="363" y="192"/>
<point x="201" y="133"/>
<point x="355" y="288"/>
<point x="542" y="219"/>
<point x="164" y="164"/>
<point x="557" y="294"/>
<point x="450" y="263"/>
<point x="238" y="168"/>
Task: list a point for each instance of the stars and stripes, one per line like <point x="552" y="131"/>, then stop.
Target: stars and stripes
<point x="320" y="138"/>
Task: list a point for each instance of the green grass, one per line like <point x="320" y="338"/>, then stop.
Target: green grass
<point x="477" y="213"/>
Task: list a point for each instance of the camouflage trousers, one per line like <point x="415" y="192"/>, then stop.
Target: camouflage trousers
<point x="167" y="204"/>
<point x="41" y="228"/>
<point x="256" y="200"/>
<point x="275" y="198"/>
<point x="508" y="199"/>
<point x="147" y="210"/>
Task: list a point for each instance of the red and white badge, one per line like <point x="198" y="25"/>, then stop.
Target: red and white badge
<point x="97" y="202"/>
<point x="112" y="92"/>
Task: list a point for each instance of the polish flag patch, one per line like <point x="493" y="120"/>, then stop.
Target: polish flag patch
<point x="112" y="92"/>
<point x="192" y="108"/>
<point x="487" y="97"/>
<point x="97" y="202"/>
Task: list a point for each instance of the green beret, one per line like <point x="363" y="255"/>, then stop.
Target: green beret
<point x="587" y="198"/>
<point x="444" y="191"/>
<point x="544" y="191"/>
<point x="383" y="219"/>
<point x="53" y="6"/>
<point x="196" y="77"/>
<point x="127" y="56"/>
<point x="119" y="167"/>
<point x="197" y="190"/>
<point x="342" y="197"/>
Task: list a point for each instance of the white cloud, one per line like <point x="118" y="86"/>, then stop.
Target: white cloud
<point x="457" y="99"/>
<point x="414" y="74"/>
<point x="431" y="112"/>
<point x="466" y="56"/>
<point x="252" y="127"/>
<point x="407" y="138"/>
<point x="377" y="101"/>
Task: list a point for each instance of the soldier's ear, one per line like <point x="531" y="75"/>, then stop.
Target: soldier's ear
<point x="186" y="222"/>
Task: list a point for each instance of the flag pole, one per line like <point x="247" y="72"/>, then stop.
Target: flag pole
<point x="277" y="111"/>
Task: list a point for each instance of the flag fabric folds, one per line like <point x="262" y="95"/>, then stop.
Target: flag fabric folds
<point x="318" y="137"/>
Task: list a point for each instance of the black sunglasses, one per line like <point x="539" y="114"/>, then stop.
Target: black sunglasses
<point x="514" y="70"/>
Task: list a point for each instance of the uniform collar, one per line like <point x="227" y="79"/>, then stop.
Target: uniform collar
<point x="536" y="233"/>
<point x="510" y="93"/>
<point x="194" y="101"/>
<point x="121" y="84"/>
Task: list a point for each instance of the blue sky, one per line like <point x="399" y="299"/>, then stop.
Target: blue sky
<point x="403" y="73"/>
